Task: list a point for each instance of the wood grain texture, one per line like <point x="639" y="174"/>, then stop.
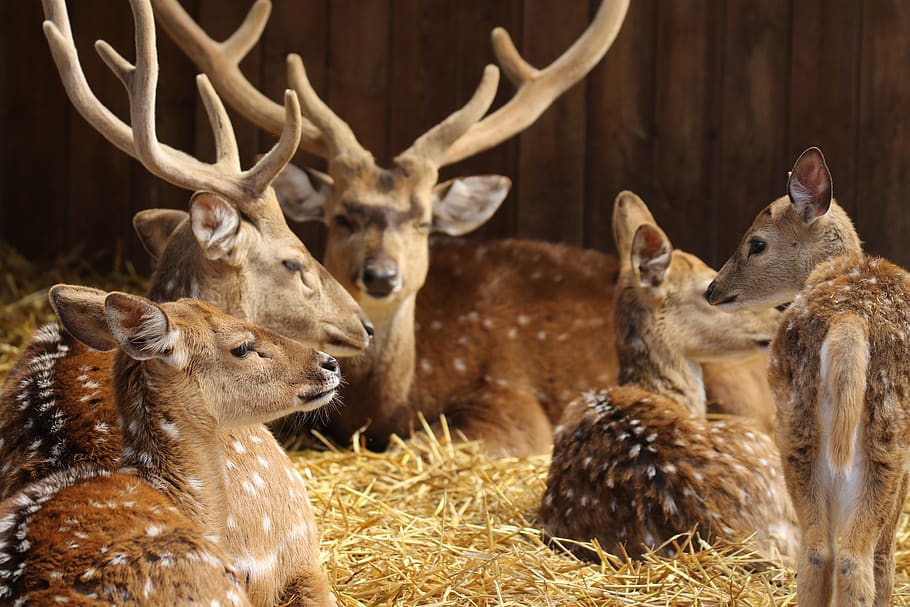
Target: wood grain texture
<point x="700" y="111"/>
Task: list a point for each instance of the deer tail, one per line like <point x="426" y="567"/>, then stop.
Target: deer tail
<point x="844" y="364"/>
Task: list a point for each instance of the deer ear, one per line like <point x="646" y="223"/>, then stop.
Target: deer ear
<point x="81" y="312"/>
<point x="464" y="204"/>
<point x="216" y="224"/>
<point x="651" y="254"/>
<point x="302" y="193"/>
<point x="140" y="326"/>
<point x="810" y="186"/>
<point x="155" y="227"/>
<point x="629" y="212"/>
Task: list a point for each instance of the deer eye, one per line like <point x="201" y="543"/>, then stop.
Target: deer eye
<point x="343" y="222"/>
<point x="756" y="246"/>
<point x="292" y="265"/>
<point x="243" y="349"/>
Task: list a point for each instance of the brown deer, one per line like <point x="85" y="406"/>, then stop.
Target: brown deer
<point x="451" y="335"/>
<point x="841" y="379"/>
<point x="639" y="463"/>
<point x="150" y="532"/>
<point x="235" y="249"/>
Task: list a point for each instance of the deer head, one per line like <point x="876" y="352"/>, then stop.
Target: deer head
<point x="234" y="247"/>
<point x="661" y="312"/>
<point x="786" y="241"/>
<point x="379" y="219"/>
<point x="245" y="373"/>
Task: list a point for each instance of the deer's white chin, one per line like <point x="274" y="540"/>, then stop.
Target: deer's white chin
<point x="315" y="401"/>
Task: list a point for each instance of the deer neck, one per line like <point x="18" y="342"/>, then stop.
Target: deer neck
<point x="172" y="444"/>
<point x="648" y="360"/>
<point x="386" y="369"/>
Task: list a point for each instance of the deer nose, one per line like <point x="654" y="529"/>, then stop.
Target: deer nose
<point x="710" y="291"/>
<point x="328" y="363"/>
<point x="380" y="280"/>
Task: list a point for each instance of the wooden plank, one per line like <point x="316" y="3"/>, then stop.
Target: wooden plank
<point x="36" y="158"/>
<point x="97" y="211"/>
<point x="423" y="68"/>
<point x="619" y="123"/>
<point x="824" y="85"/>
<point x="472" y="51"/>
<point x="752" y="163"/>
<point x="221" y="19"/>
<point x="687" y="100"/>
<point x="296" y="27"/>
<point x="6" y="91"/>
<point x="883" y="161"/>
<point x="359" y="70"/>
<point x="551" y="151"/>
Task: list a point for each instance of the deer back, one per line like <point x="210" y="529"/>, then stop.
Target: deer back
<point x="633" y="469"/>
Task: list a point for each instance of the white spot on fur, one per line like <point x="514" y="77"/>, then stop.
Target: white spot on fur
<point x="459" y="365"/>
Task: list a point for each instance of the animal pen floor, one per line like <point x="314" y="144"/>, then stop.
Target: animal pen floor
<point x="434" y="523"/>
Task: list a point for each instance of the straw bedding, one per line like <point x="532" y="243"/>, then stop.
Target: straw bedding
<point x="432" y="522"/>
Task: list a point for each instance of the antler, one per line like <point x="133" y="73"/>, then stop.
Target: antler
<point x="537" y="89"/>
<point x="221" y="62"/>
<point x="140" y="141"/>
<point x="457" y="137"/>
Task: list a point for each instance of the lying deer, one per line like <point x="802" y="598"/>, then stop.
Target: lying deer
<point x="841" y="378"/>
<point x="452" y="334"/>
<point x="234" y="249"/>
<point x="639" y="463"/>
<point x="150" y="532"/>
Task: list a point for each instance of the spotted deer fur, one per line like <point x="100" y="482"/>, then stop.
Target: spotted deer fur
<point x="841" y="379"/>
<point x="636" y="464"/>
<point x="150" y="531"/>
<point x="235" y="250"/>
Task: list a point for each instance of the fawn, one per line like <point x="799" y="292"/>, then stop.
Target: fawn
<point x="841" y="380"/>
<point x="150" y="532"/>
<point x="638" y="463"/>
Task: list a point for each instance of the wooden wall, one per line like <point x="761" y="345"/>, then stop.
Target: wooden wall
<point x="701" y="106"/>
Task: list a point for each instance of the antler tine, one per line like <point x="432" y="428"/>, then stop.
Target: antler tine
<point x="432" y="145"/>
<point x="537" y="89"/>
<point x="338" y="135"/>
<point x="227" y="154"/>
<point x="221" y="61"/>
<point x="140" y="140"/>
<point x="268" y="167"/>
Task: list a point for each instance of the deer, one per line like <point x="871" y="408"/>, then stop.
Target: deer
<point x="149" y="532"/>
<point x="446" y="337"/>
<point x="234" y="249"/>
<point x="637" y="464"/>
<point x="841" y="380"/>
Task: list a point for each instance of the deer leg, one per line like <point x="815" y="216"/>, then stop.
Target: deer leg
<point x="855" y="562"/>
<point x="884" y="550"/>
<point x="310" y="589"/>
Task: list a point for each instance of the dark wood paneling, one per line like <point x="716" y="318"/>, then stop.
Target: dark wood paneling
<point x="551" y="151"/>
<point x="97" y="168"/>
<point x="699" y="111"/>
<point x="620" y="126"/>
<point x="359" y="70"/>
<point x="686" y="128"/>
<point x="297" y="27"/>
<point x="824" y="88"/>
<point x="752" y="156"/>
<point x="472" y="52"/>
<point x="883" y="167"/>
<point x="37" y="154"/>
